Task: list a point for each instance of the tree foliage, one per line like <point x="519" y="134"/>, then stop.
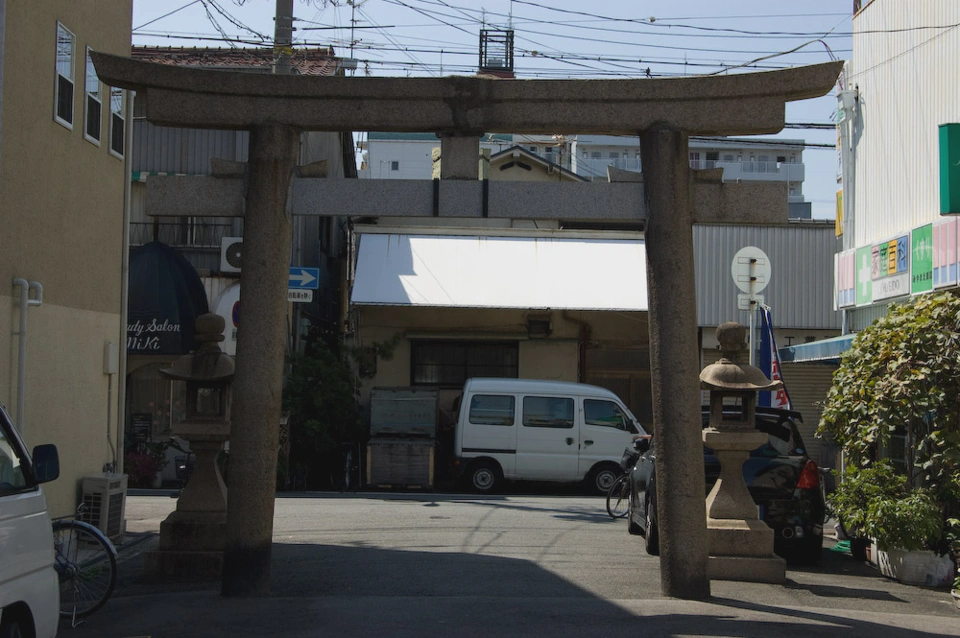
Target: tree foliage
<point x="320" y="398"/>
<point x="903" y="372"/>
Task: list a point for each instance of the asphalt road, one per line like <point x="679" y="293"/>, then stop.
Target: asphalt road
<point x="384" y="563"/>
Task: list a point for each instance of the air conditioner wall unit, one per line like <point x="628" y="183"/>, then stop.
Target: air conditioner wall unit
<point x="230" y="253"/>
<point x="104" y="500"/>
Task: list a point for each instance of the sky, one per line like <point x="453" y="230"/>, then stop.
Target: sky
<point x="558" y="39"/>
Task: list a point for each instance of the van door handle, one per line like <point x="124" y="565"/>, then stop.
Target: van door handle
<point x="588" y="442"/>
<point x="569" y="440"/>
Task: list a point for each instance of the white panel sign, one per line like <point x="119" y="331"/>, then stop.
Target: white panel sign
<point x="299" y="296"/>
<point x="750" y="269"/>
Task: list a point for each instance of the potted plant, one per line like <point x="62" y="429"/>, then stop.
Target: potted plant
<point x="877" y="505"/>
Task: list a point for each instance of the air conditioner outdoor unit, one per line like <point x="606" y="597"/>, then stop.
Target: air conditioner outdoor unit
<point x="104" y="498"/>
<point x="230" y="252"/>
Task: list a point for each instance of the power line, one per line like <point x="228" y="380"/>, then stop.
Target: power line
<point x="167" y="15"/>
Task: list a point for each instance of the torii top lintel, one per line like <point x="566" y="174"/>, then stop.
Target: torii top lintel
<point x="741" y="104"/>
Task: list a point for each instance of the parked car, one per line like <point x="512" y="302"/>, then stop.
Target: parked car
<point x="29" y="589"/>
<point x="533" y="430"/>
<point x="782" y="479"/>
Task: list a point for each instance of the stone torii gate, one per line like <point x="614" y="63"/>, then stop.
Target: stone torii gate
<point x="663" y="113"/>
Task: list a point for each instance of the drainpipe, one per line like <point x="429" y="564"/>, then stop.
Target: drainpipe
<point x="124" y="291"/>
<point x="583" y="340"/>
<point x="25" y="302"/>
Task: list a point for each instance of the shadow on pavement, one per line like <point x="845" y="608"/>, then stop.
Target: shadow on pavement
<point x="322" y="590"/>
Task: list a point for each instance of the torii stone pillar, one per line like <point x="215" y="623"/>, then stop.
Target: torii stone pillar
<point x="674" y="359"/>
<point x="261" y="339"/>
<point x="661" y="112"/>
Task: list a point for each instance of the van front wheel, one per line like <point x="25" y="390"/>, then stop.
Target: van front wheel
<point x="484" y="476"/>
<point x="602" y="477"/>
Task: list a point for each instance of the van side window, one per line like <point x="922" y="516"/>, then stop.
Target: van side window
<point x="12" y="479"/>
<point x="547" y="412"/>
<point x="605" y="413"/>
<point x="492" y="409"/>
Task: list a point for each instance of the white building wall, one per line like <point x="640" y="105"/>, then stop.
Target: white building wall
<point x="907" y="79"/>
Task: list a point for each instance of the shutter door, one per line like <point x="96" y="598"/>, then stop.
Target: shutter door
<point x="808" y="385"/>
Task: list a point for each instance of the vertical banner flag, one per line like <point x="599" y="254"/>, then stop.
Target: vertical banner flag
<point x="769" y="363"/>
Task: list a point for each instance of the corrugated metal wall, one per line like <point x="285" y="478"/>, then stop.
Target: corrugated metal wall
<point x="184" y="151"/>
<point x="801" y="282"/>
<point x="907" y="79"/>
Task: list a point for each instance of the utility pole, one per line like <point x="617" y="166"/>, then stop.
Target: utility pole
<point x="283" y="37"/>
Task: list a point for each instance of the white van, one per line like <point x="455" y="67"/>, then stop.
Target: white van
<point x="524" y="429"/>
<point x="29" y="590"/>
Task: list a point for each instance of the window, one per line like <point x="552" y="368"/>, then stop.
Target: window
<point x="613" y="155"/>
<point x="548" y="412"/>
<point x="63" y="92"/>
<point x="395" y="165"/>
<point x="605" y="413"/>
<point x="596" y="155"/>
<point x="116" y="121"/>
<point x="491" y="409"/>
<point x="92" y="103"/>
<point x="451" y="363"/>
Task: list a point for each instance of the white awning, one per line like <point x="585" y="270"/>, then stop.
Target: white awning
<point x="500" y="272"/>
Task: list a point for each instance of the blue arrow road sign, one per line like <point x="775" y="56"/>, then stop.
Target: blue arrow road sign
<point x="304" y="278"/>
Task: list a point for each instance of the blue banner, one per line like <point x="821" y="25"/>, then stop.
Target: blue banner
<point x="768" y="360"/>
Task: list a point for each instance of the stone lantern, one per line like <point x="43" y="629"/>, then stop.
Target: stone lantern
<point x="192" y="537"/>
<point x="740" y="544"/>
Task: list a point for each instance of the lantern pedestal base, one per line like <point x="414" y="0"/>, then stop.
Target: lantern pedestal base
<point x="743" y="550"/>
<point x="189" y="550"/>
<point x="192" y="537"/>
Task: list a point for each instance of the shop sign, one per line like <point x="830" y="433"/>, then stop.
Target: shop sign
<point x="946" y="237"/>
<point x="846" y="279"/>
<point x="889" y="269"/>
<point x="921" y="260"/>
<point x="864" y="278"/>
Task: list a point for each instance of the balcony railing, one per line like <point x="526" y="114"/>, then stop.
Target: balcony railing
<point x="732" y="171"/>
<point x="185" y="234"/>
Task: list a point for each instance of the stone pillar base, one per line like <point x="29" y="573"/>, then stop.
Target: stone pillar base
<point x="743" y="550"/>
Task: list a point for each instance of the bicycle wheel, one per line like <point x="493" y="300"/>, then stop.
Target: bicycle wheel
<point x="618" y="498"/>
<point x="86" y="566"/>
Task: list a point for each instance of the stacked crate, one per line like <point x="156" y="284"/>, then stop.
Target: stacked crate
<point x="403" y="437"/>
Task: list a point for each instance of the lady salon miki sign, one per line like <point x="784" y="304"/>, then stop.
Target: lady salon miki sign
<point x="153" y="336"/>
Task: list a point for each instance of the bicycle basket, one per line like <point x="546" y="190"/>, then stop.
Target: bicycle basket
<point x="629" y="458"/>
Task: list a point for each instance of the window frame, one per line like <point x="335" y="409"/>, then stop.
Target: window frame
<point x="566" y="425"/>
<point x="116" y="115"/>
<point x="417" y="365"/>
<point x="58" y="98"/>
<point x="513" y="410"/>
<point x="624" y="419"/>
<point x="92" y="97"/>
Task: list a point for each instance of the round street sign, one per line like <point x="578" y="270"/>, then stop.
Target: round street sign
<point x="751" y="269"/>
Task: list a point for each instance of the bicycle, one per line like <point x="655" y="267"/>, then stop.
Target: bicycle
<point x="86" y="564"/>
<point x="618" y="497"/>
